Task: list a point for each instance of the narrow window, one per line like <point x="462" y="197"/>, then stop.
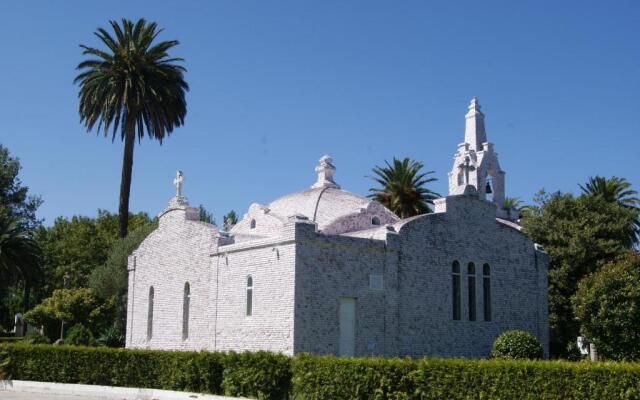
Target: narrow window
<point x="471" y="280"/>
<point x="249" y="296"/>
<point x="486" y="291"/>
<point x="150" y="314"/>
<point x="375" y="221"/>
<point x="253" y="224"/>
<point x="455" y="272"/>
<point x="185" y="310"/>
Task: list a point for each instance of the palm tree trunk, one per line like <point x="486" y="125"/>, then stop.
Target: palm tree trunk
<point x="125" y="182"/>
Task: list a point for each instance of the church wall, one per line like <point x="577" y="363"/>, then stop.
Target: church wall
<point x="271" y="265"/>
<point x="175" y="253"/>
<point x="330" y="267"/>
<point x="467" y="232"/>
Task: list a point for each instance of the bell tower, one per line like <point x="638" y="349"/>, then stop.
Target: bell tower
<point x="475" y="163"/>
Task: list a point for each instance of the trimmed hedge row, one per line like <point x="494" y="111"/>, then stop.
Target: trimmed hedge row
<point x="261" y="375"/>
<point x="270" y="376"/>
<point x="337" y="378"/>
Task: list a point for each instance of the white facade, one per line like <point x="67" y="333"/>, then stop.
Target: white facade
<point x="330" y="272"/>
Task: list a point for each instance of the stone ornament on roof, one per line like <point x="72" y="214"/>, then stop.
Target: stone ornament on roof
<point x="325" y="171"/>
<point x="179" y="199"/>
<point x="178" y="182"/>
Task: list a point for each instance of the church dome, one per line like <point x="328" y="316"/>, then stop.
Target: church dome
<point x="334" y="210"/>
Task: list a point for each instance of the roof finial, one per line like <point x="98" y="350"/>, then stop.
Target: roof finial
<point x="325" y="170"/>
<point x="178" y="182"/>
<point x="474" y="132"/>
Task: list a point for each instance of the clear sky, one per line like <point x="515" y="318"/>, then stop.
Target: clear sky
<point x="277" y="84"/>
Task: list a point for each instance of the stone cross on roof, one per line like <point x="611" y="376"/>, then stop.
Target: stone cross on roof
<point x="325" y="172"/>
<point x="178" y="182"/>
<point x="466" y="167"/>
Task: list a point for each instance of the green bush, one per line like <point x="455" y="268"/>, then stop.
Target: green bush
<point x="35" y="338"/>
<point x="80" y="335"/>
<point x="331" y="377"/>
<point x="607" y="304"/>
<point x="5" y="364"/>
<point x="273" y="376"/>
<point x="517" y="345"/>
<point x="334" y="378"/>
<point x="9" y="339"/>
<point x="111" y="337"/>
<point x="260" y="375"/>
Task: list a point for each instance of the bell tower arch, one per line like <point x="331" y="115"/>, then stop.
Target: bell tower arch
<point x="476" y="163"/>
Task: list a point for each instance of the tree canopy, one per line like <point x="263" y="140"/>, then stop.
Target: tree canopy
<point x="580" y="234"/>
<point x="15" y="199"/>
<point x="76" y="246"/>
<point x="607" y="304"/>
<point x="403" y="187"/>
<point x="134" y="88"/>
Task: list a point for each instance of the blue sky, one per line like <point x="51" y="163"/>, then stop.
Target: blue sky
<point x="275" y="85"/>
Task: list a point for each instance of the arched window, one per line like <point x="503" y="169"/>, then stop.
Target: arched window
<point x="249" y="296"/>
<point x="252" y="225"/>
<point x="486" y="291"/>
<point x="375" y="221"/>
<point x="455" y="273"/>
<point x="150" y="314"/>
<point x="186" y="299"/>
<point x="471" y="287"/>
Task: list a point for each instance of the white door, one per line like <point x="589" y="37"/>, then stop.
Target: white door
<point x="347" y="323"/>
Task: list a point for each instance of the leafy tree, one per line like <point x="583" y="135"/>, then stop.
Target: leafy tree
<point x="71" y="306"/>
<point x="206" y="216"/>
<point x="580" y="234"/>
<point x="14" y="197"/>
<point x="134" y="87"/>
<point x="402" y="187"/>
<point x="18" y="215"/>
<point x="19" y="255"/>
<point x="229" y="220"/>
<point x="607" y="304"/>
<point x="109" y="280"/>
<point x="76" y="246"/>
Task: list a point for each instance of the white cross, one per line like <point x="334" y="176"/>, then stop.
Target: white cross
<point x="466" y="166"/>
<point x="178" y="183"/>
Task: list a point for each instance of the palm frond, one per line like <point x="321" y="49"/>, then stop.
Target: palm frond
<point x="402" y="187"/>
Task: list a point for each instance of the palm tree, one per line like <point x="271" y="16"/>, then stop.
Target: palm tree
<point x="136" y="88"/>
<point x="403" y="188"/>
<point x="614" y="190"/>
<point x="19" y="255"/>
<point x="513" y="202"/>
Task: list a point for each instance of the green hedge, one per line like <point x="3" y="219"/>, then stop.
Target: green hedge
<point x="270" y="376"/>
<point x="334" y="378"/>
<point x="261" y="375"/>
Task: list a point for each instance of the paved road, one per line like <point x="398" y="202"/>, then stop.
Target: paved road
<point x="39" y="396"/>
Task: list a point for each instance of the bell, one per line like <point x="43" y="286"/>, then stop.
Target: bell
<point x="488" y="188"/>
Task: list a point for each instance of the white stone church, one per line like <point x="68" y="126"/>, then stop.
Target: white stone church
<point x="327" y="271"/>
